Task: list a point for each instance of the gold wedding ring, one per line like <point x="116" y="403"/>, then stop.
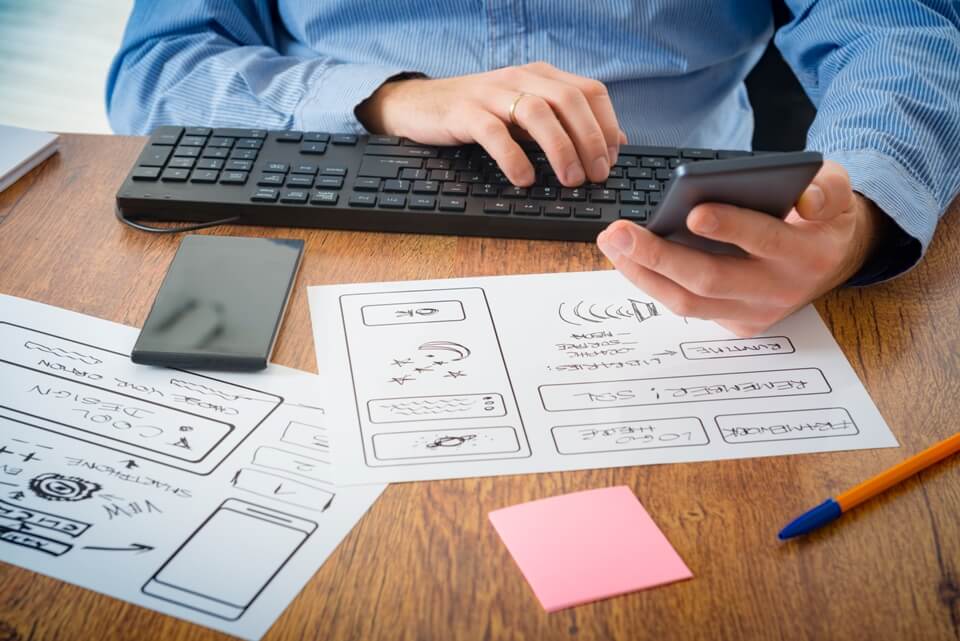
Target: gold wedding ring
<point x="513" y="108"/>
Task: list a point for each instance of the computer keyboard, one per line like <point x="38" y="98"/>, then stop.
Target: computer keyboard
<point x="382" y="183"/>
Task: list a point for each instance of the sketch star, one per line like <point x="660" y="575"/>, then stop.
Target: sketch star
<point x="401" y="362"/>
<point x="402" y="379"/>
<point x="456" y="374"/>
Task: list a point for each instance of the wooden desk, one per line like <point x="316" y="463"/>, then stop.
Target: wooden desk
<point x="424" y="563"/>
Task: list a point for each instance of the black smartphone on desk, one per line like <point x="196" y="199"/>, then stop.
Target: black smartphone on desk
<point x="221" y="304"/>
<point x="771" y="183"/>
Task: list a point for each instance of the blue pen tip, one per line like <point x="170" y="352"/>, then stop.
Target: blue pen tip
<point x="811" y="520"/>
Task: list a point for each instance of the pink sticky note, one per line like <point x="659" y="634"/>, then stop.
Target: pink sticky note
<point x="587" y="546"/>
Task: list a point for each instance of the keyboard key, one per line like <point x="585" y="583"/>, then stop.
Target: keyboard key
<point x="289" y="136"/>
<point x="400" y="151"/>
<point x="485" y="190"/>
<point x="514" y="192"/>
<point x="626" y="161"/>
<point x="638" y="214"/>
<point x="233" y="178"/>
<point x="294" y="196"/>
<point x="249" y="143"/>
<point x="496" y="207"/>
<point x="396" y="185"/>
<point x="587" y="211"/>
<point x="617" y="183"/>
<point x="232" y="132"/>
<point x="442" y="174"/>
<point x="334" y="171"/>
<point x="154" y="156"/>
<point x="616" y="172"/>
<point x="208" y="163"/>
<point x="423" y="202"/>
<point x="573" y="195"/>
<point x="527" y="208"/>
<point x="438" y="163"/>
<point x="304" y="168"/>
<point x="241" y="154"/>
<point x="543" y="193"/>
<point x="325" y="198"/>
<point x="644" y="173"/>
<point x="204" y="176"/>
<point x="313" y="148"/>
<point x="316" y="136"/>
<point x="699" y="154"/>
<point x="186" y="152"/>
<point x="367" y="184"/>
<point x="166" y="135"/>
<point x="603" y="196"/>
<point x="469" y="177"/>
<point x="663" y="174"/>
<point x="675" y="162"/>
<point x="653" y="163"/>
<point x="363" y="200"/>
<point x="329" y="182"/>
<point x="383" y="140"/>
<point x="265" y="195"/>
<point x="175" y="175"/>
<point x="267" y="180"/>
<point x="182" y="163"/>
<point x="393" y="201"/>
<point x="653" y="197"/>
<point x="239" y="165"/>
<point x="276" y="167"/>
<point x="733" y="154"/>
<point x="426" y="186"/>
<point x="198" y="131"/>
<point x="193" y="141"/>
<point x="215" y="152"/>
<point x="300" y="180"/>
<point x="220" y="141"/>
<point x="343" y="139"/>
<point x="145" y="173"/>
<point x="560" y="211"/>
<point x="455" y="189"/>
<point x="452" y="204"/>
<point x="408" y="173"/>
<point x="633" y="197"/>
<point x="646" y="185"/>
<point x="375" y="167"/>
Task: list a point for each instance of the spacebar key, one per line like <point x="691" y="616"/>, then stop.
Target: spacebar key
<point x="399" y="152"/>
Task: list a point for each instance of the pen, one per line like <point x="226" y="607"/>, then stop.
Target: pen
<point x="831" y="509"/>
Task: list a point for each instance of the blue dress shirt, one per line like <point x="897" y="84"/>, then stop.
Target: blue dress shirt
<point x="883" y="74"/>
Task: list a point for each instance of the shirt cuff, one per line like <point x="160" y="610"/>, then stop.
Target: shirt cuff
<point x="336" y="92"/>
<point x="911" y="207"/>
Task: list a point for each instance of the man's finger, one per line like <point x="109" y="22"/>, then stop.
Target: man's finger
<point x="756" y="233"/>
<point x="828" y="195"/>
<point x="492" y="134"/>
<point x="535" y="114"/>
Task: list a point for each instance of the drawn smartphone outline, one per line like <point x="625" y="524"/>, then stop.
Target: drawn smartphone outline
<point x="204" y="559"/>
<point x="770" y="183"/>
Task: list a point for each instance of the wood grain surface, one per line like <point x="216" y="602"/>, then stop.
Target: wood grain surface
<point x="425" y="564"/>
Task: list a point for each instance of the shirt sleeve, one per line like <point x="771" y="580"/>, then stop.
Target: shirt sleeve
<point x="194" y="62"/>
<point x="885" y="78"/>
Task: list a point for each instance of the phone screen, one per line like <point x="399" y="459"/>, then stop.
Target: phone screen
<point x="221" y="303"/>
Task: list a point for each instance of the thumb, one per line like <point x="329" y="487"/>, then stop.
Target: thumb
<point x="829" y="195"/>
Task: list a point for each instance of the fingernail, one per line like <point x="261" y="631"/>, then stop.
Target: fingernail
<point x="574" y="174"/>
<point x="601" y="167"/>
<point x="612" y="153"/>
<point x="526" y="176"/>
<point x="619" y="240"/>
<point x="816" y="198"/>
<point x="707" y="222"/>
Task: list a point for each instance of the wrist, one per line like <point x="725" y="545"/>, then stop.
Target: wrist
<point x="374" y="113"/>
<point x="870" y="223"/>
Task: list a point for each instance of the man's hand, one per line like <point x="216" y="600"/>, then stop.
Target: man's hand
<point x="820" y="245"/>
<point x="571" y="118"/>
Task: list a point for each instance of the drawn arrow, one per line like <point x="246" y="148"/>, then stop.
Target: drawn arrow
<point x="134" y="547"/>
<point x="666" y="352"/>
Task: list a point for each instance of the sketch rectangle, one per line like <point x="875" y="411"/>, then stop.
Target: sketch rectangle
<point x="33" y="541"/>
<point x="262" y="539"/>
<point x="628" y="435"/>
<point x="31" y="517"/>
<point x="282" y="489"/>
<point x="434" y="311"/>
<point x="786" y="425"/>
<point x="435" y="408"/>
<point x="311" y="437"/>
<point x="737" y="347"/>
<point x="567" y="397"/>
<point x="292" y="462"/>
<point x="434" y="444"/>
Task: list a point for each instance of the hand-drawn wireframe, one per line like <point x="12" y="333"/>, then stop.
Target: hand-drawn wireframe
<point x="284" y="490"/>
<point x="469" y="385"/>
<point x="582" y="313"/>
<point x="312" y="437"/>
<point x="57" y="487"/>
<point x="628" y="435"/>
<point x="434" y="311"/>
<point x="184" y="420"/>
<point x="261" y="538"/>
<point x="786" y="425"/>
<point x="33" y="541"/>
<point x="727" y="386"/>
<point x="291" y="462"/>
<point x="32" y="529"/>
<point x="473" y="442"/>
<point x="435" y="408"/>
<point x="737" y="347"/>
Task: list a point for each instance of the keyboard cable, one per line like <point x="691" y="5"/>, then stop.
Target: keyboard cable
<point x="172" y="230"/>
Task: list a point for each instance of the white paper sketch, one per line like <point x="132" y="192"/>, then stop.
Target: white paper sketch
<point x="204" y="496"/>
<point x="512" y="374"/>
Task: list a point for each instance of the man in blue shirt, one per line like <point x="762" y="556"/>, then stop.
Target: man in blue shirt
<point x="884" y="75"/>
